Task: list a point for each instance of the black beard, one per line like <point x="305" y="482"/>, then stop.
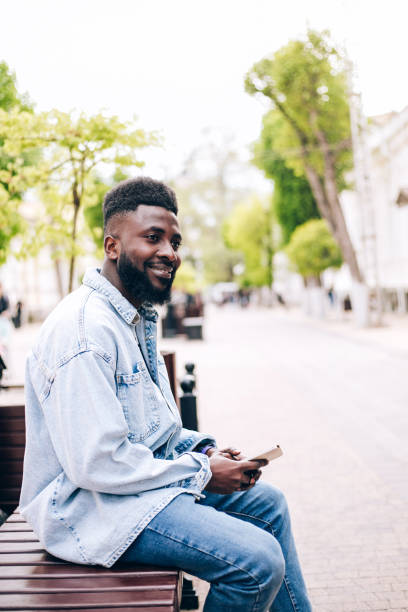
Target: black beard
<point x="138" y="285"/>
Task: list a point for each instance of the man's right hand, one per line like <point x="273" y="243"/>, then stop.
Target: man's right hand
<point x="229" y="475"/>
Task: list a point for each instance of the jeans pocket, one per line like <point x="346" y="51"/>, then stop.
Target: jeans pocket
<point x="139" y="403"/>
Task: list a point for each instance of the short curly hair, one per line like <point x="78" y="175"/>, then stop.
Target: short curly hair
<point x="128" y="195"/>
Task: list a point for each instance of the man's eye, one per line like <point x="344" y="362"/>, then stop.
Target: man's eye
<point x="176" y="244"/>
<point x="152" y="237"/>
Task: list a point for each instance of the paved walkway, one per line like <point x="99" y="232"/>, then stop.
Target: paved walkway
<point x="335" y="398"/>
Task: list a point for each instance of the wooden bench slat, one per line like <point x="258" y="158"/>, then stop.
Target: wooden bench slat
<point x="136" y="590"/>
<point x="10" y="479"/>
<point x="13" y="527"/>
<point x="18" y="536"/>
<point x="15" y="518"/>
<point x="9" y="493"/>
<point x="12" y="424"/>
<point x="101" y="583"/>
<point x="11" y="438"/>
<point x="20" y="548"/>
<point x="14" y="467"/>
<point x="96" y="608"/>
<point x="67" y="570"/>
<point x="12" y="410"/>
<point x="57" y="600"/>
<point x="11" y="452"/>
<point x="122" y="608"/>
<point x="28" y="559"/>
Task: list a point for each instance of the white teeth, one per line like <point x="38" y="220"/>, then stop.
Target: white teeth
<point x="162" y="268"/>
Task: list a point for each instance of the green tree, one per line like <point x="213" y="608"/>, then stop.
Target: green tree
<point x="10" y="98"/>
<point x="75" y="148"/>
<point x="312" y="249"/>
<point x="11" y="222"/>
<point x="306" y="83"/>
<point x="293" y="200"/>
<point x="250" y="230"/>
<point x="93" y="211"/>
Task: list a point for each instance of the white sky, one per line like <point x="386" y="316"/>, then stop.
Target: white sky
<point x="179" y="65"/>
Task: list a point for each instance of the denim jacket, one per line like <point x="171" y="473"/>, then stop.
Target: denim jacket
<point x="105" y="449"/>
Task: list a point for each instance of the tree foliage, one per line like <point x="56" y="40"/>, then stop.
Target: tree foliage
<point x="293" y="200"/>
<point x="250" y="230"/>
<point x="75" y="148"/>
<point x="9" y="96"/>
<point x="312" y="249"/>
<point x="305" y="81"/>
<point x="11" y="222"/>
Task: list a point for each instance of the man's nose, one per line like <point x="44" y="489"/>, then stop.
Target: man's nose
<point x="167" y="251"/>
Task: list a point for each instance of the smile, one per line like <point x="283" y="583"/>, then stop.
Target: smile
<point x="161" y="270"/>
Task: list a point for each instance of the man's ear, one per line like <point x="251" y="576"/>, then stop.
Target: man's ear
<point x="112" y="247"/>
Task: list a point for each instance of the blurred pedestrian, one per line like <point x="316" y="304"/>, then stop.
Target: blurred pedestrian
<point x="5" y="335"/>
<point x="4" y="301"/>
<point x="16" y="318"/>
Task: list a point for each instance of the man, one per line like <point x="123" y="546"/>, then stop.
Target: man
<point x="109" y="473"/>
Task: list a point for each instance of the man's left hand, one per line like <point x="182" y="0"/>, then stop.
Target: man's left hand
<point x="236" y="455"/>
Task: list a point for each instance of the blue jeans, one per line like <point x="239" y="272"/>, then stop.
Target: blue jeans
<point x="241" y="543"/>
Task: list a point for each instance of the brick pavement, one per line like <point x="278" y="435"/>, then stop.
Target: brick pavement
<point x="348" y="505"/>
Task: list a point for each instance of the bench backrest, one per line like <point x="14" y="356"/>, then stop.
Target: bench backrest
<point x="12" y="444"/>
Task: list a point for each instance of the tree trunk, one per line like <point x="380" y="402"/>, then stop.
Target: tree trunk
<point x="338" y="226"/>
<point x="58" y="275"/>
<point x="76" y="203"/>
<point x="325" y="190"/>
<point x="270" y="250"/>
<point x="58" y="271"/>
<point x="328" y="203"/>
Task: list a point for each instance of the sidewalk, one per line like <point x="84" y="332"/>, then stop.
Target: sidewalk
<point x="391" y="335"/>
<point x="335" y="397"/>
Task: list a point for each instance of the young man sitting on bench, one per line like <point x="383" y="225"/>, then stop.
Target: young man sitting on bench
<point x="109" y="473"/>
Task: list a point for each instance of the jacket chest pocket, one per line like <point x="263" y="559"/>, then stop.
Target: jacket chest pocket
<point x="139" y="403"/>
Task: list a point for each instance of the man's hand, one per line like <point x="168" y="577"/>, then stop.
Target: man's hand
<point x="230" y="475"/>
<point x="232" y="453"/>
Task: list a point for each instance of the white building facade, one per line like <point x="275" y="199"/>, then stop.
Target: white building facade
<point x="378" y="222"/>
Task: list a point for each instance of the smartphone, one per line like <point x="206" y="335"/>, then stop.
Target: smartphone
<point x="273" y="453"/>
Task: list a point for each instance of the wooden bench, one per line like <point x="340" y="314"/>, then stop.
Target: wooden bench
<point x="31" y="579"/>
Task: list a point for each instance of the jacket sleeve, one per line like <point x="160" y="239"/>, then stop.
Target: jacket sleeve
<point x="88" y="430"/>
<point x="190" y="439"/>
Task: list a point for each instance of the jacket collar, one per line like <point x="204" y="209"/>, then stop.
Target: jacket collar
<point x="94" y="279"/>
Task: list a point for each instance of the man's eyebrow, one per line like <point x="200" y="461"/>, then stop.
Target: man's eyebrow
<point x="160" y="230"/>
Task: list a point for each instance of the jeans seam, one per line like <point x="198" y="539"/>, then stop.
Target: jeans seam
<point x="209" y="554"/>
<point x="291" y="596"/>
<point x="252" y="517"/>
<point x="285" y="580"/>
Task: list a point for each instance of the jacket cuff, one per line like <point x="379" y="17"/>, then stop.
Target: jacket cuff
<point x="197" y="483"/>
<point x="191" y="442"/>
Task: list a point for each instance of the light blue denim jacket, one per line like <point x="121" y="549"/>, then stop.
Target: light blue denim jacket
<point x="105" y="449"/>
